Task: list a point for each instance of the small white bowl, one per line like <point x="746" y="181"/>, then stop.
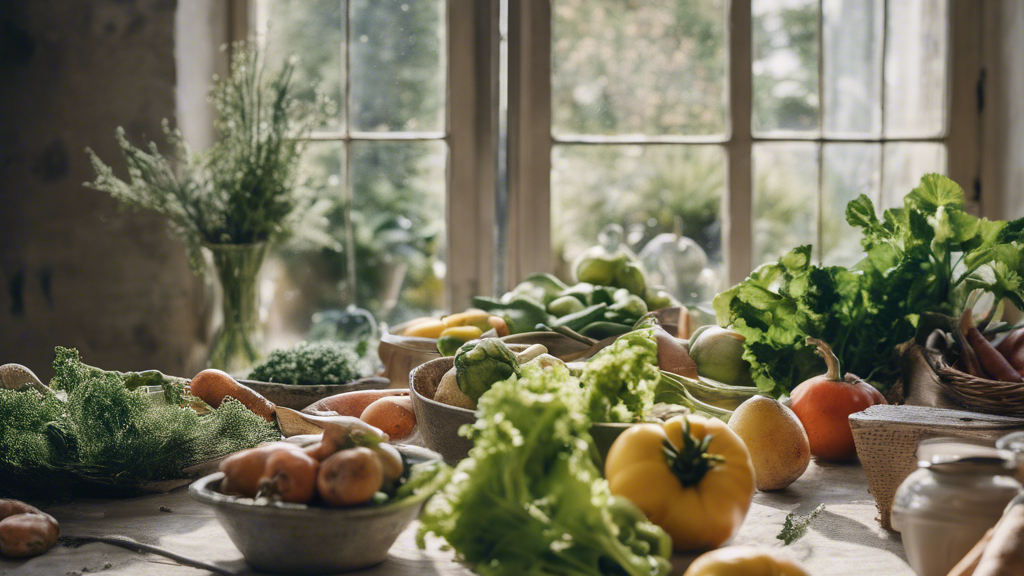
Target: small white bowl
<point x="299" y="539"/>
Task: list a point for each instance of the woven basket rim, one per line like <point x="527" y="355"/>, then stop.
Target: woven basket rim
<point x="973" y="392"/>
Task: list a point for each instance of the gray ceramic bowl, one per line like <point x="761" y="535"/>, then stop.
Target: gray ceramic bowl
<point x="298" y="397"/>
<point x="299" y="539"/>
<point x="439" y="423"/>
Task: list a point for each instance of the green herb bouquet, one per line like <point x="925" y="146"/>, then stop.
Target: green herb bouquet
<point x="238" y="196"/>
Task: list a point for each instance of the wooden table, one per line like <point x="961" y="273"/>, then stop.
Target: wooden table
<point x="844" y="540"/>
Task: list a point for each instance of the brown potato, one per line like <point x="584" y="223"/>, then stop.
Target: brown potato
<point x="350" y="477"/>
<point x="24" y="535"/>
<point x="212" y="386"/>
<point x="12" y="507"/>
<point x="290" y="475"/>
<point x="393" y="415"/>
<point x="244" y="470"/>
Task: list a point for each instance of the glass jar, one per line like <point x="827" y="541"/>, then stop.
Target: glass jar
<point x="948" y="504"/>
<point x="237" y="343"/>
<point x="1014" y="443"/>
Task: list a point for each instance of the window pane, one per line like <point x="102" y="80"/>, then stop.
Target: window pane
<point x="398" y="219"/>
<point x="654" y="67"/>
<point x="785" y="66"/>
<point x="398" y="65"/>
<point x="915" y="68"/>
<point x="850" y="170"/>
<point x="852" y="54"/>
<point x="309" y="275"/>
<point x="905" y="163"/>
<point x="641" y="188"/>
<point x="784" y="210"/>
<point x="314" y="31"/>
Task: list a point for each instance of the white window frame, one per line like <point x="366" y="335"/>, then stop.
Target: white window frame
<point x="472" y="136"/>
<point x="531" y="140"/>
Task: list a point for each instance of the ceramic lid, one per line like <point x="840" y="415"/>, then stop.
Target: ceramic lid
<point x="955" y="488"/>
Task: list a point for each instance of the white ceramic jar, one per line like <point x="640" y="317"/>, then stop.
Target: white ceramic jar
<point x="945" y="507"/>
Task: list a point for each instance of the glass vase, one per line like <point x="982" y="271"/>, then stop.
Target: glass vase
<point x="237" y="342"/>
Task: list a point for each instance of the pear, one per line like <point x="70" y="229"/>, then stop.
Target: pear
<point x="776" y="440"/>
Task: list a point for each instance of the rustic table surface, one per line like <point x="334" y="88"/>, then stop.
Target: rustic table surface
<point x="844" y="540"/>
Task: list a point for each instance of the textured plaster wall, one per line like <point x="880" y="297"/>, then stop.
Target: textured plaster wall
<point x="74" y="269"/>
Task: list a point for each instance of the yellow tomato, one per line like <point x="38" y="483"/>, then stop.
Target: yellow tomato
<point x="691" y="475"/>
<point x="743" y="561"/>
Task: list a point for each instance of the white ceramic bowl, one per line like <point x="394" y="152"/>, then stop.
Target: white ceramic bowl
<point x="299" y="539"/>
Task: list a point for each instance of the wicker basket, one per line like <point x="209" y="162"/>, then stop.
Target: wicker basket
<point x="928" y="380"/>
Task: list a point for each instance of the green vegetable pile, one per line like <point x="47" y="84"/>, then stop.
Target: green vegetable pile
<point x="313" y="363"/>
<point x="478" y="365"/>
<point x="612" y="294"/>
<point x="99" y="430"/>
<point x="529" y="499"/>
<point x="925" y="257"/>
<point x="620" y="381"/>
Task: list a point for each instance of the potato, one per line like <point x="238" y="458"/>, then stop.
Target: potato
<point x="350" y="477"/>
<point x="351" y="403"/>
<point x="243" y="470"/>
<point x="393" y="415"/>
<point x="24" y="535"/>
<point x="12" y="507"/>
<point x="448" y="392"/>
<point x="290" y="475"/>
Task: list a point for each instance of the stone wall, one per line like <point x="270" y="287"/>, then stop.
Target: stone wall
<point x="75" y="269"/>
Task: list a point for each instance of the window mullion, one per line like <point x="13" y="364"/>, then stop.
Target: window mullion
<point x="529" y="139"/>
<point x="472" y="128"/>
<point x="737" y="237"/>
<point x="963" y="153"/>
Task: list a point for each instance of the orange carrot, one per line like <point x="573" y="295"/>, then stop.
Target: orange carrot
<point x="351" y="403"/>
<point x="990" y="359"/>
<point x="1010" y="343"/>
<point x="212" y="386"/>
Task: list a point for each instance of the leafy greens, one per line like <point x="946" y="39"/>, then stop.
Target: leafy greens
<point x="924" y="257"/>
<point x="98" y="430"/>
<point x="529" y="498"/>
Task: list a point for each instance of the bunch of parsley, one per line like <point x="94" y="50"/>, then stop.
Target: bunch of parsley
<point x="924" y="257"/>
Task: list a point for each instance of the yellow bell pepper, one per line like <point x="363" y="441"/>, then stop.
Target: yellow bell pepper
<point x="744" y="561"/>
<point x="691" y="475"/>
<point x="427" y="328"/>
<point x="471" y="317"/>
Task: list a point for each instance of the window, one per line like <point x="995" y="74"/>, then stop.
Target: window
<point x="380" y="158"/>
<point x="477" y="142"/>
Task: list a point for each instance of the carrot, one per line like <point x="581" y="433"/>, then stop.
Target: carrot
<point x="1004" y="555"/>
<point x="351" y="403"/>
<point x="1010" y="343"/>
<point x="393" y="415"/>
<point x="213" y="386"/>
<point x="990" y="359"/>
<point x="1016" y="359"/>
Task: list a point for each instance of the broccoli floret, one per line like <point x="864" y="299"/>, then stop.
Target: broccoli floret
<point x="311" y="363"/>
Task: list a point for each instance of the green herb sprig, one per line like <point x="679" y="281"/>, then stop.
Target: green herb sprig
<point x="244" y="188"/>
<point x="796" y="525"/>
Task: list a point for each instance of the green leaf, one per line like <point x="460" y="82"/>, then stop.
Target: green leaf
<point x="934" y="191"/>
